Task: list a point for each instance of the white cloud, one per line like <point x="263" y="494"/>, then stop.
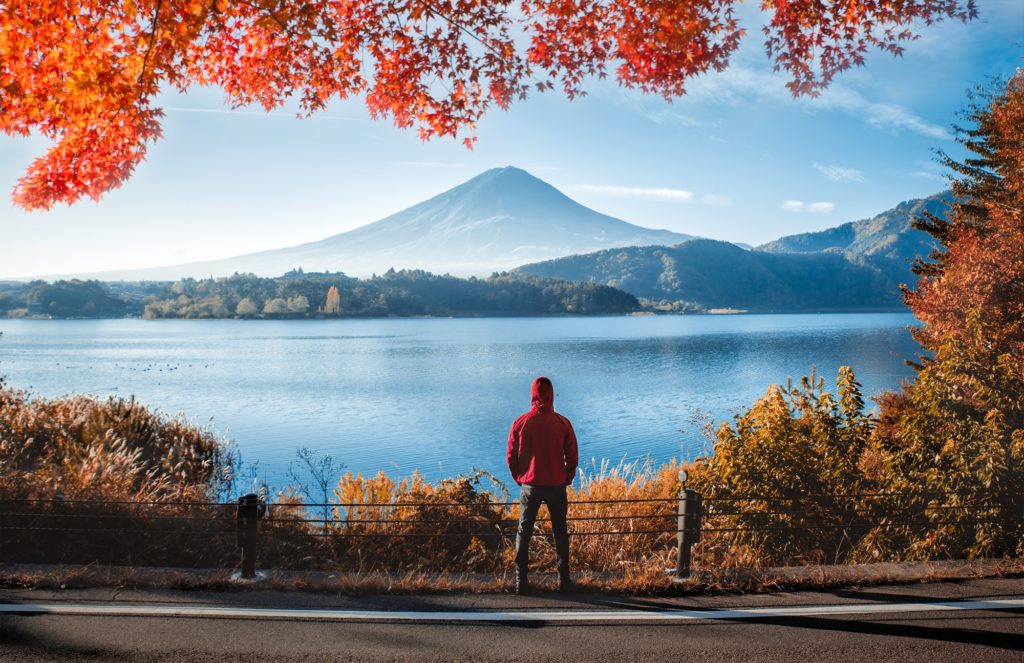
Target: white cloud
<point x="840" y="173"/>
<point x="653" y="109"/>
<point x="663" y="116"/>
<point x="930" y="170"/>
<point x="924" y="174"/>
<point x="823" y="207"/>
<point x="428" y="164"/>
<point x="663" y="195"/>
<point x="877" y="114"/>
<point x="744" y="85"/>
<point x="712" y="200"/>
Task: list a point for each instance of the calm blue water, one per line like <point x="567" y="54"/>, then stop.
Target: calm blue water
<point x="439" y="394"/>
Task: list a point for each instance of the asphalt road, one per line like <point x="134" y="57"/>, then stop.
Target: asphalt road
<point x="919" y="635"/>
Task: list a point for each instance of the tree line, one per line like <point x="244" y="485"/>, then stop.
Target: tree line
<point x="298" y="295"/>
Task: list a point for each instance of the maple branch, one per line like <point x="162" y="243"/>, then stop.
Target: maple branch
<point x="152" y="40"/>
<point x="431" y="10"/>
<point x="266" y="50"/>
<point x="95" y="26"/>
<point x="268" y="12"/>
<point x="528" y="70"/>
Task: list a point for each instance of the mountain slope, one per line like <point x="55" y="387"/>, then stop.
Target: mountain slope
<point x="885" y="241"/>
<point x="714" y="274"/>
<point x="856" y="265"/>
<point x="500" y="219"/>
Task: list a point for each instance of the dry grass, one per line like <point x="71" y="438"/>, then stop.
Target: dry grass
<point x="110" y="481"/>
<point x="85" y="480"/>
<point x="467" y="524"/>
<point x="81" y="463"/>
<point x="79" y="447"/>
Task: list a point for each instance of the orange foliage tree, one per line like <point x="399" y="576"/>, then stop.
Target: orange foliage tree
<point x="332" y="305"/>
<point x="958" y="430"/>
<point x="86" y="73"/>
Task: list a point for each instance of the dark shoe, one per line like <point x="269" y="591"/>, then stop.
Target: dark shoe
<point x="565" y="585"/>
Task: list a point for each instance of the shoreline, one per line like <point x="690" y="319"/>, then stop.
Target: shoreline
<point x="498" y="315"/>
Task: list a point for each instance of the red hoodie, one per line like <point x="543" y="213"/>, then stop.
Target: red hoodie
<point x="541" y="443"/>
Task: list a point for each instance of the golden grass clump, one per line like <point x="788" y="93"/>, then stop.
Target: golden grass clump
<point x="81" y="447"/>
<point x="88" y="479"/>
<point x="468" y="524"/>
<point x="615" y="535"/>
<point x="376" y="523"/>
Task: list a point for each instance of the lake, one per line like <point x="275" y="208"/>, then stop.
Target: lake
<point x="438" y="395"/>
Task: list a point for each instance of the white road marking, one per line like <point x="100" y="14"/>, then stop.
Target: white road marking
<point x="501" y="615"/>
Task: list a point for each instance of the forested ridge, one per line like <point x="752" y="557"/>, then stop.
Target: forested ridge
<point x="854" y="266"/>
<point x="297" y="295"/>
<point x="702" y="274"/>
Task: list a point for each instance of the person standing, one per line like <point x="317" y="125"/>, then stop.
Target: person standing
<point x="542" y="456"/>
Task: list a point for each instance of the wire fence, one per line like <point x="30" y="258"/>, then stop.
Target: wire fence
<point x="193" y="533"/>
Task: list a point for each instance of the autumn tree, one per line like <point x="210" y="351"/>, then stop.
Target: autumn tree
<point x="939" y="472"/>
<point x="275" y="306"/>
<point x="86" y="73"/>
<point x="958" y="430"/>
<point x="247" y="308"/>
<point x="333" y="304"/>
<point x="786" y="468"/>
<point x="298" y="304"/>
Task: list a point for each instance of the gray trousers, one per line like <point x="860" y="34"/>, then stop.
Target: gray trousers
<point x="558" y="505"/>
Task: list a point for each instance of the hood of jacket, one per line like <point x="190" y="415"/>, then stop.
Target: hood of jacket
<point x="542" y="394"/>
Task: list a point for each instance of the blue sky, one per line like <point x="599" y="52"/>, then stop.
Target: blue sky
<point x="736" y="159"/>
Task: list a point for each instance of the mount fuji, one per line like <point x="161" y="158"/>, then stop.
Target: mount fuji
<point x="498" y="220"/>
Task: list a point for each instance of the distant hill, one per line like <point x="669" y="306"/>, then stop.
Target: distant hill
<point x="885" y="241"/>
<point x="712" y="274"/>
<point x="856" y="265"/>
<point x="498" y="220"/>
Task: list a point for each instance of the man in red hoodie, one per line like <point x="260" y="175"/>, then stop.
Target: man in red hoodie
<point x="542" y="457"/>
